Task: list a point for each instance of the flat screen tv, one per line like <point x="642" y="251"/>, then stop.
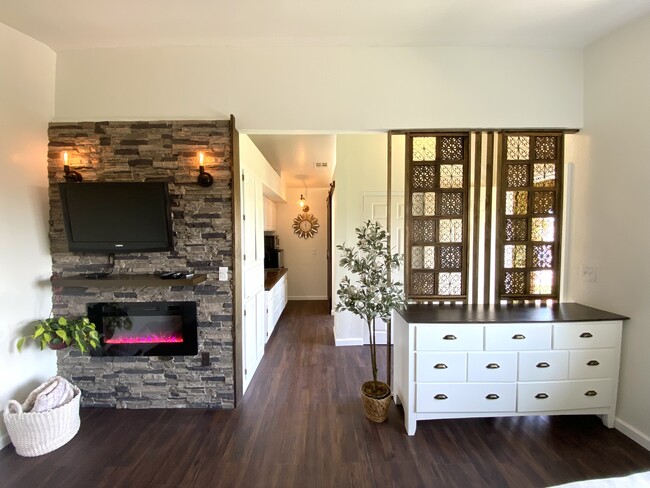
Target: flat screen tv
<point x="117" y="217"/>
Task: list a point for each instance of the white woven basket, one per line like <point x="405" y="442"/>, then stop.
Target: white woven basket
<point x="37" y="433"/>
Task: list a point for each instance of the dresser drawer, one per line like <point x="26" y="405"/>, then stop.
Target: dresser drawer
<point x="564" y="395"/>
<point x="592" y="363"/>
<point x="465" y="397"/>
<point x="448" y="337"/>
<point x="543" y="365"/>
<point x="586" y="335"/>
<point x="492" y="366"/>
<point x="518" y="337"/>
<point x="440" y="366"/>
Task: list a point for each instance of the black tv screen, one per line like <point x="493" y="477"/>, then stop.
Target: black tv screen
<point x="117" y="217"/>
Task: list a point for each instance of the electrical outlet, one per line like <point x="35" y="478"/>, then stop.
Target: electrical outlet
<point x="588" y="273"/>
<point x="223" y="273"/>
<point x="313" y="252"/>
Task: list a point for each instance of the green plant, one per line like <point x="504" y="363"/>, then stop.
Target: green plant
<point x="77" y="332"/>
<point x="372" y="295"/>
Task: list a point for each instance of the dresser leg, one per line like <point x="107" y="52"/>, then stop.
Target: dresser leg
<point x="409" y="422"/>
<point x="608" y="420"/>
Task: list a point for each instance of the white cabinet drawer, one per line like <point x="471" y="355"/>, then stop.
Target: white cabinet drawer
<point x="543" y="365"/>
<point x="592" y="363"/>
<point x="465" y="397"/>
<point x="586" y="335"/>
<point x="449" y="337"/>
<point x="564" y="395"/>
<point x="492" y="366"/>
<point x="518" y="337"/>
<point x="440" y="366"/>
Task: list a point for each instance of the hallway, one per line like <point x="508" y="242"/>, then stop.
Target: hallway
<point x="301" y="424"/>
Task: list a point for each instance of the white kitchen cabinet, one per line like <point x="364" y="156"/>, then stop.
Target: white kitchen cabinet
<point x="464" y="361"/>
<point x="276" y="300"/>
<point x="270" y="215"/>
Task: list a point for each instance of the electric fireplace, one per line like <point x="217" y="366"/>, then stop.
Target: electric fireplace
<point x="145" y="328"/>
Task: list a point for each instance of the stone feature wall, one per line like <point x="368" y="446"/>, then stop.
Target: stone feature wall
<point x="203" y="241"/>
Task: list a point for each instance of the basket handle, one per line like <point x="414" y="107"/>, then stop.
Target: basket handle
<point x="14" y="407"/>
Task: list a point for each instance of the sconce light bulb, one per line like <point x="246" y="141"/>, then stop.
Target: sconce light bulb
<point x="65" y="158"/>
<point x="301" y="202"/>
<point x="200" y="158"/>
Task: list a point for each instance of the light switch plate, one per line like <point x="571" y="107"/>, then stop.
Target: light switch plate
<point x="588" y="273"/>
<point x="223" y="273"/>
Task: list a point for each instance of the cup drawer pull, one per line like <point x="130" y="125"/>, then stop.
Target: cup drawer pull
<point x="492" y="396"/>
<point x="591" y="393"/>
<point x="440" y="396"/>
<point x="543" y="365"/>
<point x="593" y="362"/>
<point x="541" y="396"/>
<point x="440" y="366"/>
<point x="518" y="336"/>
<point x="493" y="366"/>
<point x="586" y="335"/>
<point x="449" y="337"/>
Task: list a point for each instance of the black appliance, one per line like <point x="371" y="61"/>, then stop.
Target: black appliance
<point x="273" y="257"/>
<point x="145" y="328"/>
<point x="117" y="217"/>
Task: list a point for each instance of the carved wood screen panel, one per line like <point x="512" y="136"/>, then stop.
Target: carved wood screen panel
<point x="530" y="212"/>
<point x="437" y="176"/>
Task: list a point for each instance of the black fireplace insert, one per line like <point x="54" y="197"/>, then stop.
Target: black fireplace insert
<point x="145" y="328"/>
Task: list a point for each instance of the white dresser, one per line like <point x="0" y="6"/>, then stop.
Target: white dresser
<point x="488" y="361"/>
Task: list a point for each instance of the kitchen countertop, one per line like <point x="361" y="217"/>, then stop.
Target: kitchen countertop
<point x="558" y="312"/>
<point x="272" y="276"/>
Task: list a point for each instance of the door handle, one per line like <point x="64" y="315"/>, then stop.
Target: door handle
<point x="518" y="336"/>
<point x="586" y="335"/>
<point x="440" y="396"/>
<point x="543" y="365"/>
<point x="449" y="337"/>
<point x="492" y="396"/>
<point x="493" y="366"/>
<point x="593" y="362"/>
<point x="541" y="396"/>
<point x="440" y="366"/>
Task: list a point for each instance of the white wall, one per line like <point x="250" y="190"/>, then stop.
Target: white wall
<point x="26" y="106"/>
<point x="306" y="259"/>
<point x="611" y="206"/>
<point x="325" y="88"/>
<point x="254" y="161"/>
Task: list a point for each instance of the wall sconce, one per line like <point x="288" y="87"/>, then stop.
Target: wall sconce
<point x="301" y="202"/>
<point x="70" y="176"/>
<point x="205" y="179"/>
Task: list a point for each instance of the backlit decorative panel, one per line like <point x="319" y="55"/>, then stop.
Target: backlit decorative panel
<point x="516" y="202"/>
<point x="544" y="202"/>
<point x="542" y="229"/>
<point x="518" y="148"/>
<point x="541" y="282"/>
<point x="450" y="230"/>
<point x="417" y="257"/>
<point x="423" y="284"/>
<point x="423" y="176"/>
<point x="424" y="231"/>
<point x="450" y="257"/>
<point x="449" y="284"/>
<point x="424" y="148"/>
<point x="545" y="147"/>
<point x="429" y="203"/>
<point x="516" y="229"/>
<point x="544" y="175"/>
<point x="516" y="175"/>
<point x="515" y="282"/>
<point x="514" y="256"/>
<point x="451" y="176"/>
<point x="451" y="204"/>
<point x="429" y="257"/>
<point x="451" y="148"/>
<point x="543" y="256"/>
<point x="417" y="205"/>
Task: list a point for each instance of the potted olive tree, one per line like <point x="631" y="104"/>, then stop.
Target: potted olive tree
<point x="370" y="296"/>
<point x="61" y="332"/>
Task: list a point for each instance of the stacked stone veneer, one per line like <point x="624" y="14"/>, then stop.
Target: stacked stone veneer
<point x="203" y="241"/>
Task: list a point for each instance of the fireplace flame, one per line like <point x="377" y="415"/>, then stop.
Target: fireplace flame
<point x="147" y="339"/>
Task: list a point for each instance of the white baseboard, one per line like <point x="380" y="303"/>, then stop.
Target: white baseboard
<point x="358" y="341"/>
<point x="633" y="433"/>
<point x="308" y="298"/>
<point x="4" y="441"/>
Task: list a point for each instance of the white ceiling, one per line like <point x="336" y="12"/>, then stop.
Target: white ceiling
<point x="76" y="24"/>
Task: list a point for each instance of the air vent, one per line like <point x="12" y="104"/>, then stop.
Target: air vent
<point x="320" y="165"/>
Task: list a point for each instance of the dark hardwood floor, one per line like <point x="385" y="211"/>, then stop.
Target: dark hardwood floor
<point x="301" y="424"/>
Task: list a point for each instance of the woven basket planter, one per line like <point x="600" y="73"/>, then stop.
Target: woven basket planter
<point x="37" y="433"/>
<point x="376" y="408"/>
